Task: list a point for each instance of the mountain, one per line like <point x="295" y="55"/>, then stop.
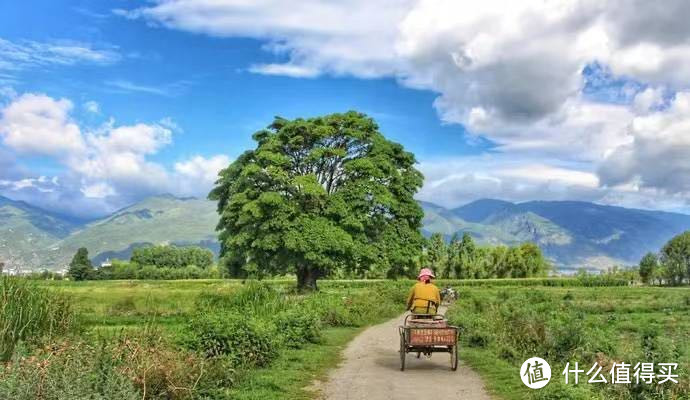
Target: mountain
<point x="161" y="219"/>
<point x="573" y="234"/>
<point x="26" y="232"/>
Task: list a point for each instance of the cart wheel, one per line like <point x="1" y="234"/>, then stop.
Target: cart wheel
<point x="419" y="354"/>
<point x="454" y="358"/>
<point x="402" y="353"/>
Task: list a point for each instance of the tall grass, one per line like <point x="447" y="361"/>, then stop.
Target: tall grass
<point x="28" y="313"/>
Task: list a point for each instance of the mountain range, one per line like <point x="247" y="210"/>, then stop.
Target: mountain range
<point x="572" y="234"/>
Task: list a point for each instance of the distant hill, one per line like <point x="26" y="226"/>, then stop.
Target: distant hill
<point x="573" y="234"/>
<point x="161" y="219"/>
<point x="26" y="232"/>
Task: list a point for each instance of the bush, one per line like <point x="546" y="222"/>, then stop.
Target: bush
<point x="241" y="340"/>
<point x="298" y="327"/>
<point x="29" y="313"/>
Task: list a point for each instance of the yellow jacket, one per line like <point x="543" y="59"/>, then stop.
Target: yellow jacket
<point x="419" y="297"/>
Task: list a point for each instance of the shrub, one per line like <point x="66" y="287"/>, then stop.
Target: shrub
<point x="241" y="340"/>
<point x="298" y="327"/>
<point x="28" y="312"/>
<point x="66" y="371"/>
<point x="158" y="369"/>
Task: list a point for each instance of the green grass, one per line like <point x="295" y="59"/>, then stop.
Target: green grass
<point x="291" y="376"/>
<point x="121" y="304"/>
<point x="124" y="311"/>
<point x="503" y="326"/>
<point x="609" y="322"/>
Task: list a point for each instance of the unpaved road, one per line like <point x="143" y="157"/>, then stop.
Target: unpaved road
<point x="371" y="370"/>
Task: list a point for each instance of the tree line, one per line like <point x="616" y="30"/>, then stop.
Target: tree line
<point x="461" y="258"/>
<point x="671" y="265"/>
<point x="154" y="262"/>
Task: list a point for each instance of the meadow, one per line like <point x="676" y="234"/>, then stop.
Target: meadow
<point x="225" y="339"/>
<point x="197" y="339"/>
<point x="503" y="326"/>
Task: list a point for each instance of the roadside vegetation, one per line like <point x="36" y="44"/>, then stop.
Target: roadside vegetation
<point x="502" y="326"/>
<point x="184" y="339"/>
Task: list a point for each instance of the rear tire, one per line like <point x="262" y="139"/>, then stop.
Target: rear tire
<point x="402" y="352"/>
<point x="454" y="358"/>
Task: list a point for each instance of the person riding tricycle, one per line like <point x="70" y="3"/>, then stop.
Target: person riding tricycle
<point x="424" y="297"/>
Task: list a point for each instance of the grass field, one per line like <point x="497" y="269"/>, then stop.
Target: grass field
<point x="503" y="322"/>
<point x="199" y="339"/>
<point x="504" y="326"/>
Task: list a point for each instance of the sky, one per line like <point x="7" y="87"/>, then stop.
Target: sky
<point x="105" y="103"/>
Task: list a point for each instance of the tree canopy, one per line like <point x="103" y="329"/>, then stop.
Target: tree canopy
<point x="172" y="256"/>
<point x="675" y="257"/>
<point x="317" y="195"/>
<point x="80" y="268"/>
<point x="461" y="258"/>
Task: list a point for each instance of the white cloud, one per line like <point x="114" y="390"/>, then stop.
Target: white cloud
<point x="648" y="99"/>
<point x="41" y="184"/>
<point x="348" y="37"/>
<point x="295" y="71"/>
<point x="197" y="175"/>
<point x="38" y="124"/>
<point x="98" y="190"/>
<point x="104" y="168"/>
<point x="168" y="89"/>
<point x="27" y="53"/>
<point x="659" y="155"/>
<point x="128" y="86"/>
<point x="453" y="182"/>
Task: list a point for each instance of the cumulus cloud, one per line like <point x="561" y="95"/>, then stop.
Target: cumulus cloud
<point x="104" y="168"/>
<point x="38" y="124"/>
<point x="348" y="37"/>
<point x="658" y="156"/>
<point x="198" y="174"/>
<point x="513" y="72"/>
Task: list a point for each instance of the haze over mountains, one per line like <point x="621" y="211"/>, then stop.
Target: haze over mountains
<point x="573" y="234"/>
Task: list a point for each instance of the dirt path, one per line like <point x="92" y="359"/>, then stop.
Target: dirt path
<point x="371" y="370"/>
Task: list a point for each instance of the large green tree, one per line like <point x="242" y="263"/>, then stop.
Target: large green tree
<point x="80" y="268"/>
<point x="320" y="194"/>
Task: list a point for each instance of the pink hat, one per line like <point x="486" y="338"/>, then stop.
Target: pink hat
<point x="425" y="272"/>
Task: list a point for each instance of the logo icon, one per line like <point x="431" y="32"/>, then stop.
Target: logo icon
<point x="535" y="373"/>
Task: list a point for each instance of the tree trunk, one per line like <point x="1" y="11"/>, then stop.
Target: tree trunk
<point x="306" y="279"/>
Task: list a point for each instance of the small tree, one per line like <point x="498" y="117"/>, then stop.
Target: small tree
<point x="80" y="268"/>
<point x="648" y="267"/>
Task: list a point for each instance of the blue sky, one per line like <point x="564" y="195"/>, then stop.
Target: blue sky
<point x="528" y="105"/>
